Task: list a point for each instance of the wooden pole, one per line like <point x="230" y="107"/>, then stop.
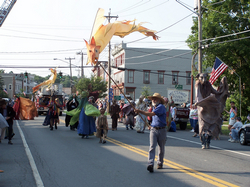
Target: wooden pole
<point x="122" y="92"/>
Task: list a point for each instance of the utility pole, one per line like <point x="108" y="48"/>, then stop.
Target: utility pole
<point x="109" y="61"/>
<point x="199" y="37"/>
<point x="82" y="70"/>
<point x="70" y="71"/>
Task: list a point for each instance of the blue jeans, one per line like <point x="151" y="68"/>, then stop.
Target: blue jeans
<point x="157" y="137"/>
<point x="235" y="135"/>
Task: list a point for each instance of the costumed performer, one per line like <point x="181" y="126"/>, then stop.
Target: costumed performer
<point x="210" y="104"/>
<point x="86" y="124"/>
<point x="102" y="126"/>
<point x="140" y="124"/>
<point x="71" y="105"/>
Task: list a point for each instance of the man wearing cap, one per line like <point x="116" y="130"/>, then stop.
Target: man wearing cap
<point x="234" y="131"/>
<point x="157" y="130"/>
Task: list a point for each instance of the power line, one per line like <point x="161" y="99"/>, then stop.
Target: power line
<point x="162" y="29"/>
<point x="147" y="9"/>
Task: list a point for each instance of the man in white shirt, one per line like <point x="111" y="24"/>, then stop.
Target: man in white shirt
<point x="235" y="129"/>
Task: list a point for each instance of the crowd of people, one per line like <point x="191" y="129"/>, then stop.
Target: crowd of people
<point x="88" y="116"/>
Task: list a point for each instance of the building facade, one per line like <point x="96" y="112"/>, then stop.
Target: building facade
<point x="157" y="69"/>
<point x="17" y="83"/>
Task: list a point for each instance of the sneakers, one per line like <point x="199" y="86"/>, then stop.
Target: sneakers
<point x="159" y="167"/>
<point x="234" y="141"/>
<point x="150" y="168"/>
<point x="203" y="147"/>
<point x="195" y="135"/>
<point x="192" y="130"/>
<point x="230" y="139"/>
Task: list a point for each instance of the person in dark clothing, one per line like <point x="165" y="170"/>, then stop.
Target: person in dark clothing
<point x="9" y="114"/>
<point x="114" y="113"/>
<point x="71" y="105"/>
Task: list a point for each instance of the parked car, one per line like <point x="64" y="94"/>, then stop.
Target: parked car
<point x="244" y="134"/>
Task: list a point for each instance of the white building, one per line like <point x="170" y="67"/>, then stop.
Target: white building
<point x="158" y="69"/>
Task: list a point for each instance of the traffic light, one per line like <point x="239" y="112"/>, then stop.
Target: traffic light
<point x="60" y="74"/>
<point x="26" y="75"/>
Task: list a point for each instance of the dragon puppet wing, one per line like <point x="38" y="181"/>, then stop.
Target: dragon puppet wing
<point x="102" y="34"/>
<point x="48" y="82"/>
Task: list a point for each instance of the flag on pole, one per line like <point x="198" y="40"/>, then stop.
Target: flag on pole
<point x="218" y="69"/>
<point x="5" y="91"/>
<point x="24" y="94"/>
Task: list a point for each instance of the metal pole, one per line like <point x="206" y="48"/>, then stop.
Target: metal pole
<point x="109" y="61"/>
<point x="70" y="71"/>
<point x="192" y="79"/>
<point x="82" y="75"/>
<point x="199" y="37"/>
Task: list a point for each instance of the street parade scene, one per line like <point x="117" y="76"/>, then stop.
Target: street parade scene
<point x="124" y="93"/>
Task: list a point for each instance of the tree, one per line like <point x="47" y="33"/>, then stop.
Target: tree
<point x="2" y="93"/>
<point x="97" y="84"/>
<point x="146" y="91"/>
<point x="38" y="79"/>
<point x="220" y="19"/>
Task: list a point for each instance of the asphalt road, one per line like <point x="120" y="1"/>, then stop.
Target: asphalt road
<point x="61" y="158"/>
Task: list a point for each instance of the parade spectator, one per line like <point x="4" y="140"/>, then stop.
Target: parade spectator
<point x="9" y="114"/>
<point x="141" y="119"/>
<point x="114" y="113"/>
<point x="102" y="127"/>
<point x="172" y="127"/>
<point x="232" y="116"/>
<point x="158" y="131"/>
<point x="173" y="112"/>
<point x="234" y="131"/>
<point x="193" y="117"/>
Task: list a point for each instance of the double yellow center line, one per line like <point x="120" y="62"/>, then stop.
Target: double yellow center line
<point x="202" y="176"/>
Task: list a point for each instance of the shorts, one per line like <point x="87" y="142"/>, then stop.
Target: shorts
<point x="231" y="121"/>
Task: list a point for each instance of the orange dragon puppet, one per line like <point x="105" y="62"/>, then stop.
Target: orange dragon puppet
<point x="102" y="34"/>
<point x="48" y="82"/>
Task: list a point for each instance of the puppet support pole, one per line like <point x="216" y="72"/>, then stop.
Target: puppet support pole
<point x="122" y="93"/>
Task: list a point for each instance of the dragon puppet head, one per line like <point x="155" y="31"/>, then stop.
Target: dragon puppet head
<point x="93" y="51"/>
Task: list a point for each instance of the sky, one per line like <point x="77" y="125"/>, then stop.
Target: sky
<point x="37" y="32"/>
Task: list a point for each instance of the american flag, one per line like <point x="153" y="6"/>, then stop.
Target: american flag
<point x="5" y="91"/>
<point x="218" y="69"/>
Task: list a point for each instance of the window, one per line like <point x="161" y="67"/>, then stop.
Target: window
<point x="130" y="76"/>
<point x="188" y="79"/>
<point x="175" y="77"/>
<point x="146" y="77"/>
<point x="10" y="86"/>
<point x="160" y="77"/>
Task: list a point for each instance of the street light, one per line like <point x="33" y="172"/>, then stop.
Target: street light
<point x="69" y="68"/>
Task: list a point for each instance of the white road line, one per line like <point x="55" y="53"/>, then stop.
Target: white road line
<point x="39" y="182"/>
<point x="236" y="152"/>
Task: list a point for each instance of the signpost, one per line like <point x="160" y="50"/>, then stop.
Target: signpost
<point x="110" y="94"/>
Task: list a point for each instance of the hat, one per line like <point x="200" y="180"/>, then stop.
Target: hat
<point x="157" y="95"/>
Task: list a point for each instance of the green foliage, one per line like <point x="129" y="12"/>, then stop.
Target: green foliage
<point x="39" y="79"/>
<point x="146" y="91"/>
<point x="97" y="85"/>
<point x="3" y="94"/>
<point x="223" y="19"/>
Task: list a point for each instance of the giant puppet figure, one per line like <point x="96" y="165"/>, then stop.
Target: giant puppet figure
<point x="102" y="34"/>
<point x="210" y="104"/>
<point x="48" y="82"/>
